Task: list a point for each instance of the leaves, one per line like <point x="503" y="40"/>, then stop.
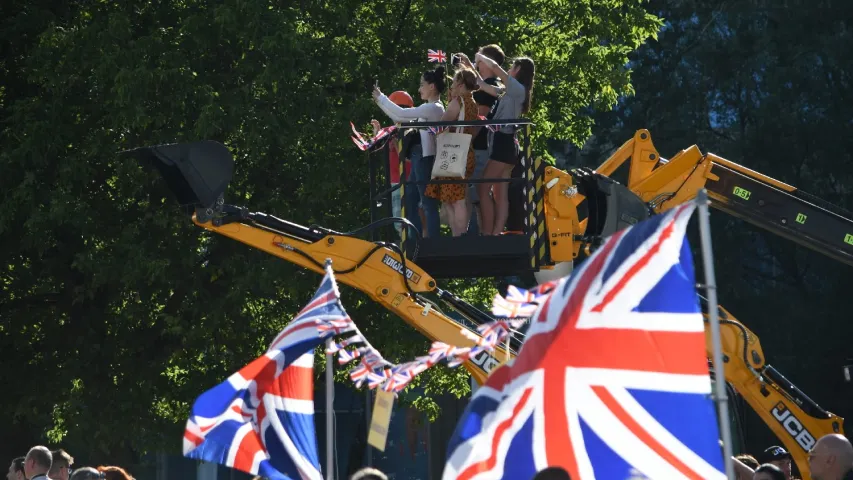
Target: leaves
<point x="116" y="301"/>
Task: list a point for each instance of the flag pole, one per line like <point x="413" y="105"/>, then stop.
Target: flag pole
<point x="720" y="395"/>
<point x="330" y="392"/>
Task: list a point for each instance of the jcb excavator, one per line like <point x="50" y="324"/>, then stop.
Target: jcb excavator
<point x="569" y="214"/>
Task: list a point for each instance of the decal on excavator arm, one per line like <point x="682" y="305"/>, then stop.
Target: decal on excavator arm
<point x="485" y="361"/>
<point x="398" y="266"/>
<point x="848" y="239"/>
<point x="801" y="219"/>
<point x="793" y="426"/>
<point x="742" y="193"/>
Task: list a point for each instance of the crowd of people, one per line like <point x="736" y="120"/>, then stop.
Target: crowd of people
<point x="40" y="463"/>
<point x="831" y="458"/>
<point x="482" y="88"/>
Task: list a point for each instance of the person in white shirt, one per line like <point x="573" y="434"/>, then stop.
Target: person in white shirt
<point x="432" y="86"/>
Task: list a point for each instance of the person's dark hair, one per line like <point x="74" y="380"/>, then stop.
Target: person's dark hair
<point x="436" y="77"/>
<point x="41" y="455"/>
<point x="368" y="473"/>
<point x="748" y="460"/>
<point x="467" y="77"/>
<point x="494" y="52"/>
<point x="526" y="71"/>
<point x="87" y="473"/>
<point x="19" y="464"/>
<point x="771" y="469"/>
<point x="552" y="473"/>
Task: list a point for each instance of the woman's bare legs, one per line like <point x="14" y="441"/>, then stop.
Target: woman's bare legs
<point x="496" y="210"/>
<point x="488" y="205"/>
<point x="501" y="192"/>
<point x="458" y="216"/>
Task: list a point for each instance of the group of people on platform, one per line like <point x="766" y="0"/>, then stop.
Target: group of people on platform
<point x="479" y="89"/>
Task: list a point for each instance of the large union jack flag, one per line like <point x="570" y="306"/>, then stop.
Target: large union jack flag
<point x="612" y="380"/>
<point x="261" y="419"/>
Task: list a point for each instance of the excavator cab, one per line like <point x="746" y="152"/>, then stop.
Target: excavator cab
<point x="197" y="173"/>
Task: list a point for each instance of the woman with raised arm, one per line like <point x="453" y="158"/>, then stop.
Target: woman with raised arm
<point x="432" y="86"/>
<point x="452" y="195"/>
<point x="517" y="90"/>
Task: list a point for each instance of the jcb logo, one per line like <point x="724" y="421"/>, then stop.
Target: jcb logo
<point x="486" y="362"/>
<point x="793" y="426"/>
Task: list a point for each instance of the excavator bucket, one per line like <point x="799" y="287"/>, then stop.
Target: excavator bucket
<point x="197" y="173"/>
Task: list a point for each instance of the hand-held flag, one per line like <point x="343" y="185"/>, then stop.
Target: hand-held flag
<point x="261" y="419"/>
<point x="436" y="56"/>
<point x="612" y="379"/>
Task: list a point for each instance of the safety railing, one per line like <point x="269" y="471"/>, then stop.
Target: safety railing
<point x="531" y="177"/>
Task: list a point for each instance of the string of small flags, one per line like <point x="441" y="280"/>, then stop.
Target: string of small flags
<point x="374" y="143"/>
<point x="372" y="369"/>
<point x="521" y="303"/>
<point x="377" y="373"/>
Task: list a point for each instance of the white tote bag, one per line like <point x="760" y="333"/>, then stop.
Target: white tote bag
<point x="451" y="151"/>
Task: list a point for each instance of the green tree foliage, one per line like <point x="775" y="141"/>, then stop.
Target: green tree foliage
<point x="116" y="311"/>
<point x="766" y="85"/>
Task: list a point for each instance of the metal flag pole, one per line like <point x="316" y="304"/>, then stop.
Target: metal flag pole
<point x="330" y="392"/>
<point x="720" y="396"/>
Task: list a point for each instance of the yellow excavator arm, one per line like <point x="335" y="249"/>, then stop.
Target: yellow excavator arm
<point x="792" y="416"/>
<point x="198" y="173"/>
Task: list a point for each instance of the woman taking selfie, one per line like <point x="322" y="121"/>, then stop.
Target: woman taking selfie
<point x="432" y="86"/>
<point x="452" y="195"/>
<point x="517" y="90"/>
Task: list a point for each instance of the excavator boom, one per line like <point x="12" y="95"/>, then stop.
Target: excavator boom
<point x="756" y="198"/>
<point x="198" y="174"/>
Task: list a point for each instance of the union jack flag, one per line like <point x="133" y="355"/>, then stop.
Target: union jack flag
<point x="261" y="419"/>
<point x="612" y="379"/>
<point x="436" y="56"/>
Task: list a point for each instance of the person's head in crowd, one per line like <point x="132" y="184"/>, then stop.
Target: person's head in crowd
<point x="464" y="82"/>
<point x="87" y="473"/>
<point x="433" y="84"/>
<point x="37" y="462"/>
<point x="831" y="458"/>
<point x="778" y="456"/>
<point x="368" y="473"/>
<point x="768" y="471"/>
<point x="114" y="473"/>
<point x="552" y="473"/>
<point x="16" y="470"/>
<point x="60" y="468"/>
<point x="495" y="53"/>
<point x="524" y="70"/>
<point x="748" y="460"/>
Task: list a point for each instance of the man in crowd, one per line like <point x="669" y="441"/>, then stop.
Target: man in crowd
<point x="831" y="458"/>
<point x="778" y="456"/>
<point x="37" y="463"/>
<point x="61" y="467"/>
<point x="16" y="470"/>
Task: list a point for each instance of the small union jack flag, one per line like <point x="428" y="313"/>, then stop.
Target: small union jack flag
<point x="261" y="419"/>
<point x="436" y="56"/>
<point x="502" y="307"/>
<point x="612" y="379"/>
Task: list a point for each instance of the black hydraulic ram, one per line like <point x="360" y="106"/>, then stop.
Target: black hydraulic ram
<point x="795" y="215"/>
